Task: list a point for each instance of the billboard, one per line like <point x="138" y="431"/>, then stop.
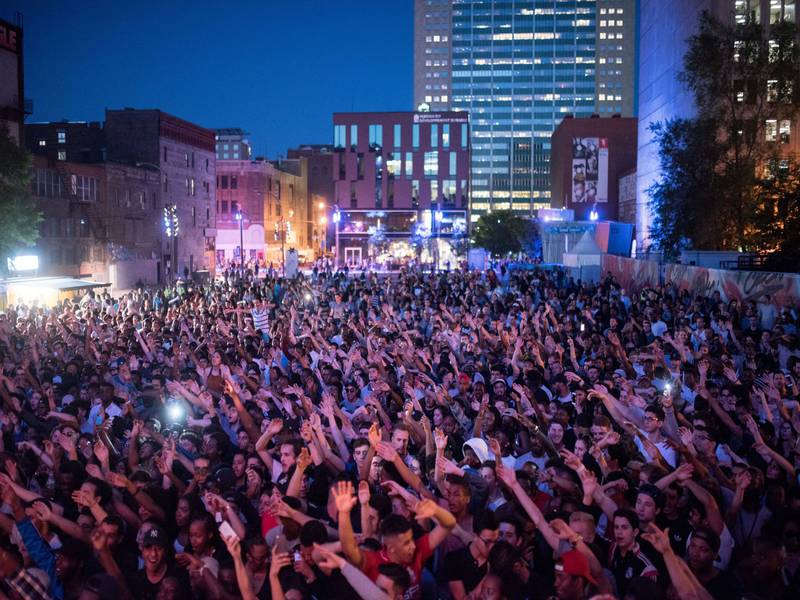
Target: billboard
<point x="589" y="170"/>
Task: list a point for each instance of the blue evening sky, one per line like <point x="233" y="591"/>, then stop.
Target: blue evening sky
<point x="277" y="69"/>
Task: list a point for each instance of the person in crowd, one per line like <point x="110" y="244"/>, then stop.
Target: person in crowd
<point x="503" y="434"/>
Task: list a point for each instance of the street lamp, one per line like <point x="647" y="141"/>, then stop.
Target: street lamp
<point x="323" y="221"/>
<point x="171" y="225"/>
<point x="337" y="217"/>
<point x="240" y="218"/>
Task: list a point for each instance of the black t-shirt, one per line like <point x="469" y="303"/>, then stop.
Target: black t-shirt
<point x="460" y="565"/>
<point x="679" y="531"/>
<point x="723" y="586"/>
<point x="143" y="589"/>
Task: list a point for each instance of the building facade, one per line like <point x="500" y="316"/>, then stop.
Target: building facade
<point x="72" y="141"/>
<point x="518" y="68"/>
<point x="663" y="35"/>
<point x="627" y="197"/>
<point x="588" y="158"/>
<point x="13" y="106"/>
<point x="97" y="220"/>
<point x="232" y="144"/>
<point x="184" y="156"/>
<point x="240" y="198"/>
<point x="320" y="203"/>
<point x="272" y="200"/>
<point x="399" y="176"/>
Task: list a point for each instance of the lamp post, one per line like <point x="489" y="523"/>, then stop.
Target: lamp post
<point x="337" y="217"/>
<point x="240" y="218"/>
<point x="323" y="220"/>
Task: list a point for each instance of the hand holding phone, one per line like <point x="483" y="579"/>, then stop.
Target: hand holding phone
<point x="226" y="531"/>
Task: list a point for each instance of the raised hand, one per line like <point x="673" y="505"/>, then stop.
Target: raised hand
<point x="658" y="539"/>
<point x="425" y="509"/>
<point x="42" y="511"/>
<point x="506" y="475"/>
<point x="387" y="452"/>
<point x="327" y="559"/>
<point x="275" y="427"/>
<point x="94" y="471"/>
<point x="363" y="492"/>
<point x="440" y="439"/>
<point x="344" y="497"/>
<point x="303" y="459"/>
<point x="374" y="436"/>
<point x="684" y="472"/>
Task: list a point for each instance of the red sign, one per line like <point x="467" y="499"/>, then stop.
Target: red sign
<point x="8" y="38"/>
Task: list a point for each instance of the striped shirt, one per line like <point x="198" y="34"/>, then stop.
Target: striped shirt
<point x="260" y="318"/>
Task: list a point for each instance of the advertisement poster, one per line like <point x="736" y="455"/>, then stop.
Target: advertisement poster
<point x="589" y="170"/>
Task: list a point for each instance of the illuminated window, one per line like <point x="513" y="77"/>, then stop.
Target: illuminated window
<point x="62" y="137"/>
<point x="397" y="134"/>
<point x="62" y="155"/>
<point x="431" y="165"/>
<point x="785" y="130"/>
<point x="376" y="136"/>
<point x="771" y="130"/>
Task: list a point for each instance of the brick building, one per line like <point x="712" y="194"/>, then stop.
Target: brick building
<point x="320" y="203"/>
<point x="184" y="156"/>
<point x="97" y="221"/>
<point x="269" y="197"/>
<point x="73" y="141"/>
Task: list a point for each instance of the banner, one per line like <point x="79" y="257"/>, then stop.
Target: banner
<point x="589" y="170"/>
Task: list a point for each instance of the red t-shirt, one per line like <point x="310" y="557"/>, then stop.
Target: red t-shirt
<point x="423" y="551"/>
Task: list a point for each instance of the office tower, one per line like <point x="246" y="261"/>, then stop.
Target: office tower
<point x="432" y="35"/>
<point x="520" y="67"/>
<point x="662" y="45"/>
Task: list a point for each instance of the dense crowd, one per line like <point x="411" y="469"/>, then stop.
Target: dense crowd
<point x="482" y="435"/>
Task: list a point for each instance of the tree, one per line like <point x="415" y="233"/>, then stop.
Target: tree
<point x="687" y="192"/>
<point x="499" y="232"/>
<point x="744" y="80"/>
<point x="19" y="218"/>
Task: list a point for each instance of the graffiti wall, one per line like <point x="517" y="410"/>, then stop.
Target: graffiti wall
<point x="631" y="274"/>
<point x="742" y="285"/>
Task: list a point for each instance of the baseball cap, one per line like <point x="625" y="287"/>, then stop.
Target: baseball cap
<point x="155" y="537"/>
<point x="478" y="378"/>
<point x="575" y="563"/>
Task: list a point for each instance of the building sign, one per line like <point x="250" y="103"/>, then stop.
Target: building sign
<point x="441" y="117"/>
<point x="9" y="38"/>
<point x="589" y="170"/>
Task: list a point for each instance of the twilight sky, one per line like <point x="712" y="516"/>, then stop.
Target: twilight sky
<point x="277" y="69"/>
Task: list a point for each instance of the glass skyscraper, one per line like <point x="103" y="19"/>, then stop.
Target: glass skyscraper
<point x="519" y="67"/>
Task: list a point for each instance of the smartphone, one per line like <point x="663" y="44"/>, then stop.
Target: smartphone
<point x="226" y="530"/>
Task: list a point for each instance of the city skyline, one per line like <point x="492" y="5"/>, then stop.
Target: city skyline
<point x="329" y="69"/>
